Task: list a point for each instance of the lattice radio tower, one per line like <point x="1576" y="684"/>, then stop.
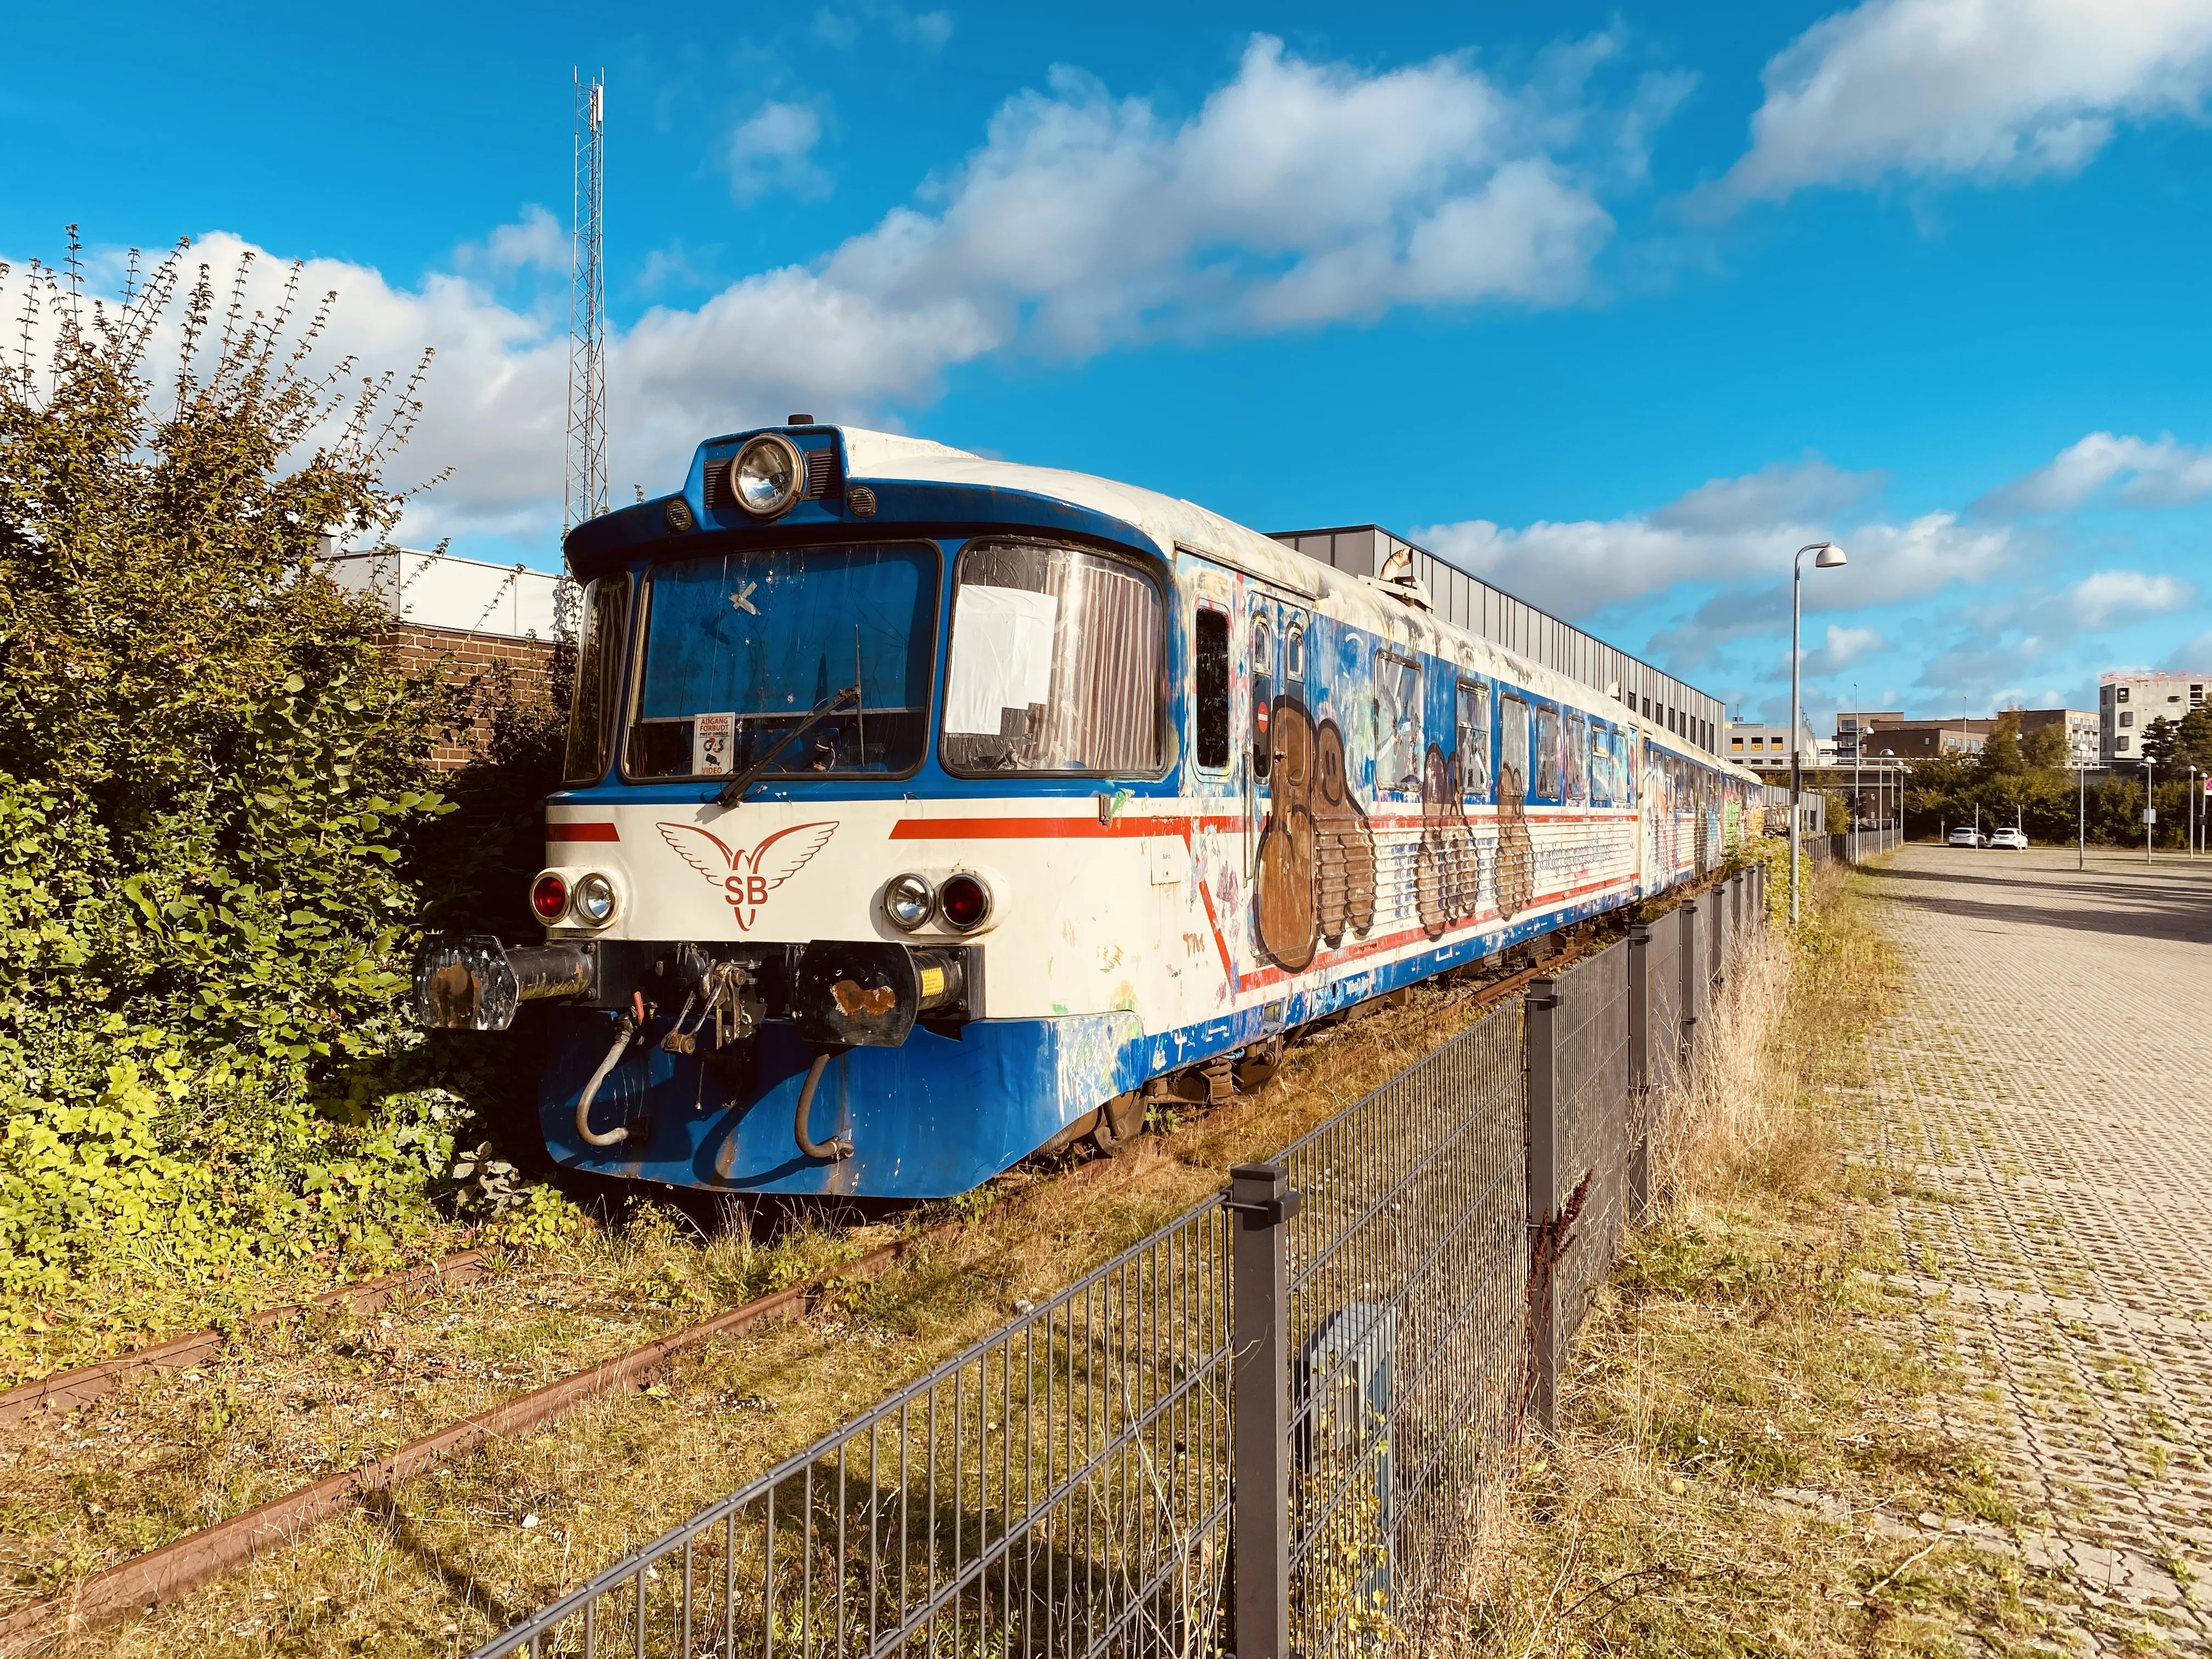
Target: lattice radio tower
<point x="586" y="494"/>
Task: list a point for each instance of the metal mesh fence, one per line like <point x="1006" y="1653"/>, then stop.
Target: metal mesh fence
<point x="1407" y="1271"/>
<point x="1664" y="971"/>
<point x="1060" y="1488"/>
<point x="1064" y="1487"/>
<point x="1593" y="1131"/>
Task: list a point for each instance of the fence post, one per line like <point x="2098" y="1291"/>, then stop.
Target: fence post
<point x="1541" y="1035"/>
<point x="1694" y="984"/>
<point x="1639" y="1070"/>
<point x="1260" y="1414"/>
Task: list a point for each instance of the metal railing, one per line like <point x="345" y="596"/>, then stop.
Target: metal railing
<point x="1408" y="1267"/>
<point x="1265" y="1429"/>
<point x="1059" y="1488"/>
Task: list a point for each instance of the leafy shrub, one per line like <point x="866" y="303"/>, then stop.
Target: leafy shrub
<point x="214" y="814"/>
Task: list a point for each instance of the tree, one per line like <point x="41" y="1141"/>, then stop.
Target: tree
<point x="2001" y="756"/>
<point x="2045" y="748"/>
<point x="2161" y="739"/>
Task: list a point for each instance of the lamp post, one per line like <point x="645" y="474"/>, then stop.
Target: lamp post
<point x="1858" y="740"/>
<point x="1826" y="555"/>
<point x="2150" y="810"/>
<point x="2193" y="813"/>
<point x="2081" y="813"/>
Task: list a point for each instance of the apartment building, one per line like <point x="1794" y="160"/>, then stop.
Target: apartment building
<point x="2127" y="703"/>
<point x="1766" y="748"/>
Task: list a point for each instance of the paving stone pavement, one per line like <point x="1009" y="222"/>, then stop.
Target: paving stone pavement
<point x="2045" y="1097"/>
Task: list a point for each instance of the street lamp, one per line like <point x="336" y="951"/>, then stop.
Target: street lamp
<point x="1826" y="556"/>
<point x="2150" y="808"/>
<point x="1858" y="743"/>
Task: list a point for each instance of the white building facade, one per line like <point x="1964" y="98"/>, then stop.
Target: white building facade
<point x="2128" y="702"/>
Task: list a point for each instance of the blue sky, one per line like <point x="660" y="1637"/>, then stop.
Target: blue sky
<point x="1617" y="305"/>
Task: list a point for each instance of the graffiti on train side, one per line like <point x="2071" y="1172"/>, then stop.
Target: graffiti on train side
<point x="1314" y="880"/>
<point x="1446" y="867"/>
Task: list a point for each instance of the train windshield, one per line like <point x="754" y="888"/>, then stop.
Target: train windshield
<point x="743" y="648"/>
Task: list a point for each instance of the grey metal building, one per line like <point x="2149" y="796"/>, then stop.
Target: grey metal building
<point x="1470" y="602"/>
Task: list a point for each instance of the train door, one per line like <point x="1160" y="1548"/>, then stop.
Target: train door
<point x="1282" y="775"/>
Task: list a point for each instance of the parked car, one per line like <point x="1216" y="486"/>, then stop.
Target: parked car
<point x="2015" y="839"/>
<point x="1966" y="835"/>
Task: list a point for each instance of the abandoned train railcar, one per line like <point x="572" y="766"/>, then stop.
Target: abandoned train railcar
<point x="925" y="811"/>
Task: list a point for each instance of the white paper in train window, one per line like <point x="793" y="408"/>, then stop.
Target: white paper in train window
<point x="1001" y="656"/>
<point x="712" y="738"/>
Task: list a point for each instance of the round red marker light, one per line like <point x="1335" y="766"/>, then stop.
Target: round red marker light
<point x="964" y="903"/>
<point x="549" y="897"/>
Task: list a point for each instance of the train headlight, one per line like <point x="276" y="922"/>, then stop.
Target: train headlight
<point x="965" y="902"/>
<point x="908" y="901"/>
<point x="767" y="476"/>
<point x="548" y="896"/>
<point x="593" y="900"/>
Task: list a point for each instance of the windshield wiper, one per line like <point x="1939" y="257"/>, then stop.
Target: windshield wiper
<point x="733" y="792"/>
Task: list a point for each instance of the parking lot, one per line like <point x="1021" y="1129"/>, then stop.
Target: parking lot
<point x="2046" y="1110"/>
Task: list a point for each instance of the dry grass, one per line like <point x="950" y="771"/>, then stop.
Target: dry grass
<point x="448" y="1558"/>
<point x="1746" y="1461"/>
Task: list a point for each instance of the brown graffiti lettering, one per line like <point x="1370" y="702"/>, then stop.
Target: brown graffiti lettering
<point x="1447" y="869"/>
<point x="1314" y="877"/>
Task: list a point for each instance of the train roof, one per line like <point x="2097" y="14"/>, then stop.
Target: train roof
<point x="1168" y="519"/>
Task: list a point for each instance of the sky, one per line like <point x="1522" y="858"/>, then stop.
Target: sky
<point x="1615" y="305"/>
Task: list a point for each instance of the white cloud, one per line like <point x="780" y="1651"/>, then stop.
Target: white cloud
<point x="1842" y="648"/>
<point x="1984" y="89"/>
<point x="537" y="241"/>
<point x="1727" y="531"/>
<point x="2163" y="473"/>
<point x="772" y="150"/>
<point x="1299" y="194"/>
<point x="2103" y="597"/>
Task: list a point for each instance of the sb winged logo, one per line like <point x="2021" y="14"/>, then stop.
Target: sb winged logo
<point x="747" y="877"/>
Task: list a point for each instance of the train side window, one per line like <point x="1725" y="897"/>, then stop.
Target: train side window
<point x="1473" y="739"/>
<point x="1601" y="764"/>
<point x="1294" y="662"/>
<point x="1512" y="751"/>
<point x="592" y="711"/>
<point x="1211" y="687"/>
<point x="1577" y="754"/>
<point x="1550" y="779"/>
<point x="1056" y="662"/>
<point x="1263" y="694"/>
<point x="1397" y="722"/>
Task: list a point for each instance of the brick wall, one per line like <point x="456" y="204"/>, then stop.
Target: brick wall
<point x="473" y="656"/>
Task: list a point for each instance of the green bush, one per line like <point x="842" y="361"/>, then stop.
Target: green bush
<point x="214" y="814"/>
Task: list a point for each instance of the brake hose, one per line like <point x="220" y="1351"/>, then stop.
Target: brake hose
<point x="838" y="1146"/>
<point x="625" y="1028"/>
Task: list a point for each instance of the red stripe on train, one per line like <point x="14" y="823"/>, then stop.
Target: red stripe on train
<point x="580" y="832"/>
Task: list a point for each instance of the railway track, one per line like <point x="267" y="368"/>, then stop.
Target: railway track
<point x="66" y="1389"/>
<point x="199" y="1557"/>
<point x="178" y="1568"/>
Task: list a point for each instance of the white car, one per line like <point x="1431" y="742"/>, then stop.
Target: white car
<point x="1966" y="835"/>
<point x="2015" y="839"/>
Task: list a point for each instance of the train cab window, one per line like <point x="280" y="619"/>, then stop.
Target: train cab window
<point x="1397" y="722"/>
<point x="1055" y="663"/>
<point x="1550" y="777"/>
<point x="1263" y="694"/>
<point x="1209" y="691"/>
<point x="592" y="715"/>
<point x="1473" y="739"/>
<point x="1577" y="754"/>
<point x="746" y="651"/>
